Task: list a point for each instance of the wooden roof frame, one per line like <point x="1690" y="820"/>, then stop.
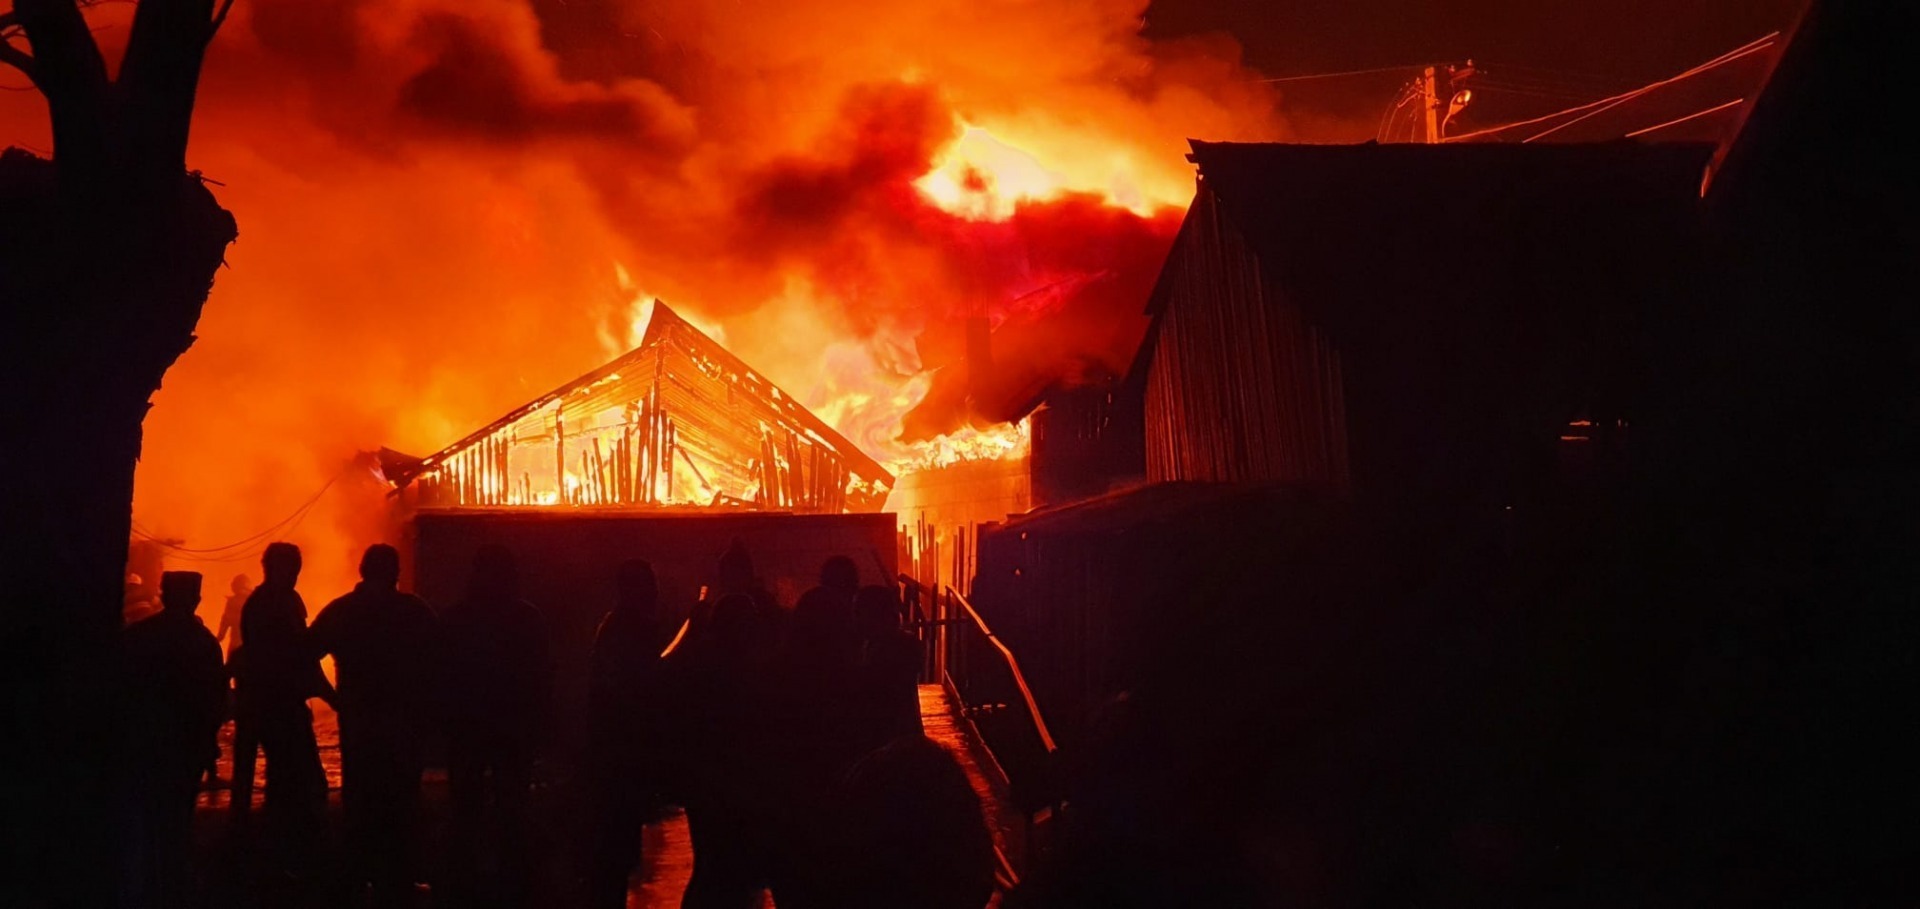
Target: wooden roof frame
<point x="663" y="322"/>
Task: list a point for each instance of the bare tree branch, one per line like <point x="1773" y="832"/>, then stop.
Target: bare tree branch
<point x="159" y="77"/>
<point x="18" y="59"/>
<point x="68" y="68"/>
<point x="219" y="18"/>
<point x="10" y="54"/>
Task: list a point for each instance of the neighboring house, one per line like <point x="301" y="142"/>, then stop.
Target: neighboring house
<point x="1410" y="324"/>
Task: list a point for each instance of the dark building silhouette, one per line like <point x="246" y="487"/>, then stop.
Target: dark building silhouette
<point x="1413" y="324"/>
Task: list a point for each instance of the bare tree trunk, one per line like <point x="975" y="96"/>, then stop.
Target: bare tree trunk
<point x="107" y="254"/>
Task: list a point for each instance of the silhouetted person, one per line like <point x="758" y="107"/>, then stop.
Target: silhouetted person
<point x="736" y="575"/>
<point x="276" y="672"/>
<point x="381" y="641"/>
<point x="816" y="674"/>
<point x="228" y="634"/>
<point x="719" y="680"/>
<point x="497" y="684"/>
<point x="840" y="575"/>
<point x="917" y="836"/>
<point x="886" y="670"/>
<point x="816" y="725"/>
<point x="626" y="702"/>
<point x="175" y="696"/>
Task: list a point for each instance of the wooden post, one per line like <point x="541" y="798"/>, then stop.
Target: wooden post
<point x="503" y="470"/>
<point x="560" y="456"/>
<point x="796" y="477"/>
<point x="599" y="471"/>
<point x="666" y="459"/>
<point x="776" y="498"/>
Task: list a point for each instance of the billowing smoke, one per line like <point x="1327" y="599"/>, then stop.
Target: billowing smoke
<point x="448" y="206"/>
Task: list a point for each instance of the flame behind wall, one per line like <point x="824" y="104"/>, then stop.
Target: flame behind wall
<point x="448" y="206"/>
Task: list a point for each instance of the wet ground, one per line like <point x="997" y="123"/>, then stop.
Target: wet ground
<point x="235" y="872"/>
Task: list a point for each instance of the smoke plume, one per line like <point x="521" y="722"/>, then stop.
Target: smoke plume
<point x="449" y="206"/>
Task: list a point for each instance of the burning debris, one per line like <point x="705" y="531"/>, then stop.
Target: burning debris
<point x="677" y="421"/>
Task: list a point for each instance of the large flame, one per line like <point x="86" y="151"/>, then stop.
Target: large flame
<point x="983" y="177"/>
<point x="433" y="196"/>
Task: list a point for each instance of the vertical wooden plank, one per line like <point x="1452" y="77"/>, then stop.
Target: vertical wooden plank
<point x="599" y="472"/>
<point x="666" y="456"/>
<point x="795" y="473"/>
<point x="560" y="456"/>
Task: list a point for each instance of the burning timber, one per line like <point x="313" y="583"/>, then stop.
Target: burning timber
<point x="677" y="422"/>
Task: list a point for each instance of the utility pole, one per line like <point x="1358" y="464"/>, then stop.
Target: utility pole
<point x="1430" y="101"/>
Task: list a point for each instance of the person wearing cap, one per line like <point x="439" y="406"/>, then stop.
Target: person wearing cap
<point x="175" y="687"/>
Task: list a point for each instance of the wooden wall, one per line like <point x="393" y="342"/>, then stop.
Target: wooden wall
<point x="1239" y="387"/>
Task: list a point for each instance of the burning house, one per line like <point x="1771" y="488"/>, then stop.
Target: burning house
<point x="672" y="453"/>
<point x="676" y="422"/>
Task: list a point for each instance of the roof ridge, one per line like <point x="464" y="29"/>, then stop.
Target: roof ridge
<point x="661" y="325"/>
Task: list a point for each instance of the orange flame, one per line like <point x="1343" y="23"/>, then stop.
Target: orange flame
<point x="431" y="194"/>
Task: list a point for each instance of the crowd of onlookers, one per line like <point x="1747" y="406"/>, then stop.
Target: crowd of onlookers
<point x="791" y="736"/>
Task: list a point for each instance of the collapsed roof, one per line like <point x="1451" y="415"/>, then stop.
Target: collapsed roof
<point x="677" y="421"/>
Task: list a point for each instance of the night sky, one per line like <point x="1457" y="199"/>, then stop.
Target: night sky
<point x="1579" y="47"/>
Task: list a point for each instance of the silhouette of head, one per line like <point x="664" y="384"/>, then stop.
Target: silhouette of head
<point x="839" y="573"/>
<point x="495" y="576"/>
<point x="180" y="590"/>
<point x="919" y="836"/>
<point x="637" y="588"/>
<point x="876" y="609"/>
<point x="240" y="584"/>
<point x="736" y="568"/>
<point x="380" y="565"/>
<point x="281" y="565"/>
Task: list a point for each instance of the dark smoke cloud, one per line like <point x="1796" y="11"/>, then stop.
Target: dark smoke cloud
<point x="438" y="200"/>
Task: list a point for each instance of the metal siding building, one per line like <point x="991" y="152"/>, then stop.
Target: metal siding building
<point x="1409" y="324"/>
<point x="1240" y="386"/>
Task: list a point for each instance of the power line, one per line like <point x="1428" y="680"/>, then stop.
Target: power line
<point x="1603" y="104"/>
<point x="1599" y="81"/>
<point x="1693" y="116"/>
<point x="210" y="553"/>
<point x="1380" y="134"/>
<point x="1751" y="48"/>
<point x="1500" y="87"/>
<point x="1351" y="72"/>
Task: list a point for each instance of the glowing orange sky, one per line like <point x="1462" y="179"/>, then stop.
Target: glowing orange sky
<point x="441" y="216"/>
